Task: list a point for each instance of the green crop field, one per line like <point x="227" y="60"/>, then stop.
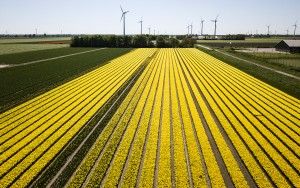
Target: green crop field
<point x="22" y="82"/>
<point x="16" y="48"/>
<point x="31" y="40"/>
<point x="23" y="57"/>
<point x="284" y="59"/>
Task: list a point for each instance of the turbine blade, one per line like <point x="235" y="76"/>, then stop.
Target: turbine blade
<point x="121" y="9"/>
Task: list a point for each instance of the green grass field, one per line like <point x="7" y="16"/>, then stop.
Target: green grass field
<point x="18" y="84"/>
<point x="290" y="61"/>
<point x="24" y="57"/>
<point x="17" y="48"/>
<point x="287" y="62"/>
<point x="32" y="40"/>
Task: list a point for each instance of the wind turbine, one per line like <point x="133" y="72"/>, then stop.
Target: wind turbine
<point x="191" y="29"/>
<point x="36" y="31"/>
<point x="287" y="31"/>
<point x="141" y="22"/>
<point x="188" y="27"/>
<point x="215" y="21"/>
<point x="268" y="26"/>
<point x="124" y="19"/>
<point x="202" y="21"/>
<point x="149" y="29"/>
<point x="295" y="27"/>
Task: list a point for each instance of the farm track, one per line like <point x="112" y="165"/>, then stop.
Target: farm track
<point x="189" y="120"/>
<point x="38" y="138"/>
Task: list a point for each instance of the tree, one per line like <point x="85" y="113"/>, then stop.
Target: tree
<point x="140" y="41"/>
<point x="160" y="42"/>
<point x="187" y="43"/>
<point x="174" y="43"/>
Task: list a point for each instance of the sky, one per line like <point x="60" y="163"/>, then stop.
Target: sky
<point x="165" y="16"/>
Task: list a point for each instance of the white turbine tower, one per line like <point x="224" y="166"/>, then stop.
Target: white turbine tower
<point x="295" y="27"/>
<point x="141" y="22"/>
<point x="268" y="26"/>
<point x="215" y="21"/>
<point x="202" y="22"/>
<point x="188" y="27"/>
<point x="191" y="29"/>
<point x="124" y="19"/>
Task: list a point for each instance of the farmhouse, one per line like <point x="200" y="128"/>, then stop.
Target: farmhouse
<point x="292" y="46"/>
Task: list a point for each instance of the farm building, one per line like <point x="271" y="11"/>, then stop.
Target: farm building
<point x="292" y="46"/>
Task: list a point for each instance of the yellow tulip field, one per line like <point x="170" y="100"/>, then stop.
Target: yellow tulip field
<point x="189" y="120"/>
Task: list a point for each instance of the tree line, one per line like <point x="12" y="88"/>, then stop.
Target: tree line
<point x="137" y="41"/>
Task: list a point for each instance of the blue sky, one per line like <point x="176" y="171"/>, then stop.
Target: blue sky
<point x="166" y="16"/>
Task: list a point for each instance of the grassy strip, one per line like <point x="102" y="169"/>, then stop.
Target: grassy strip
<point x="281" y="82"/>
<point x="60" y="160"/>
<point x="19" y="84"/>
